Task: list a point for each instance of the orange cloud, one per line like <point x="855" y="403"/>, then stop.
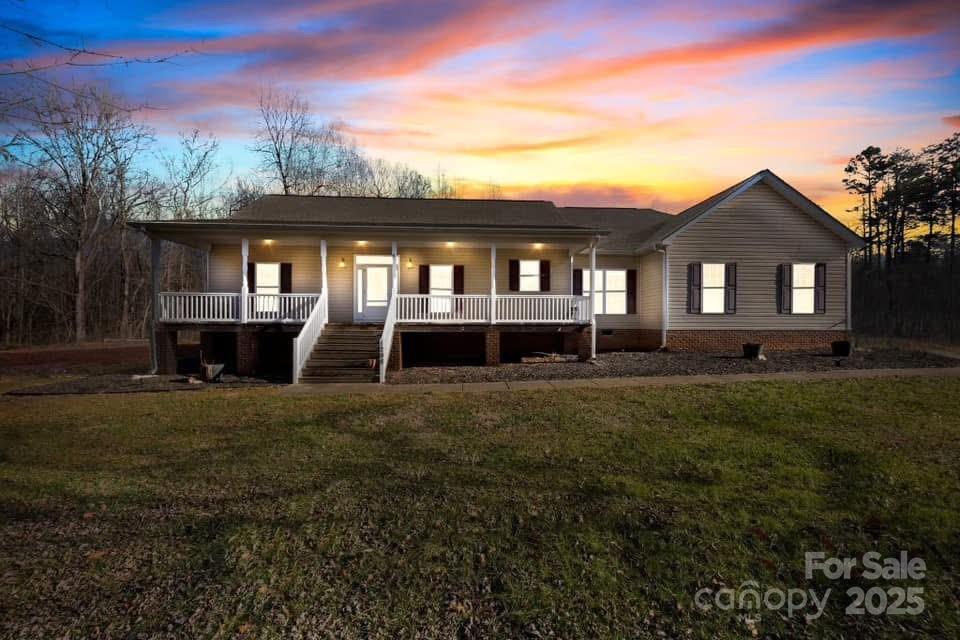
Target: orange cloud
<point x="952" y="121"/>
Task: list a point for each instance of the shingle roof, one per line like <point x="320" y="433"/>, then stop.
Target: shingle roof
<point x="627" y="226"/>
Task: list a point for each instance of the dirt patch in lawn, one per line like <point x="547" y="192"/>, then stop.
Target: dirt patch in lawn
<point x="91" y="357"/>
<point x="610" y="365"/>
<point x="125" y="383"/>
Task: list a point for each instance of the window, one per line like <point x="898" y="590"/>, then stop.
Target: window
<point x="529" y="275"/>
<point x="611" y="290"/>
<point x="713" y="288"/>
<point x="441" y="284"/>
<point x="804" y="283"/>
<point x="267" y="281"/>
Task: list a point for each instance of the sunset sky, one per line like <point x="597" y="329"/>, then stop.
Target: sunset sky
<point x="606" y="103"/>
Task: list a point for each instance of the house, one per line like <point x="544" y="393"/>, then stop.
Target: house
<point x="338" y="289"/>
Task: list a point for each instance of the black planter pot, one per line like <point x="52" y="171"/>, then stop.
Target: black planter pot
<point x="841" y="348"/>
<point x="752" y="350"/>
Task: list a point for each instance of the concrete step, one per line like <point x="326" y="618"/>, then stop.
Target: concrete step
<point x="322" y="379"/>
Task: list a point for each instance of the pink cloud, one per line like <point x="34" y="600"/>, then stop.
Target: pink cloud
<point x="952" y="121"/>
<point x="812" y="26"/>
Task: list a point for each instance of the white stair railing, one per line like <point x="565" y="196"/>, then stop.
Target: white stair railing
<point x="304" y="342"/>
<point x="386" y="338"/>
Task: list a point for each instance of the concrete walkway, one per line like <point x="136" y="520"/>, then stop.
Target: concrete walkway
<point x="610" y="383"/>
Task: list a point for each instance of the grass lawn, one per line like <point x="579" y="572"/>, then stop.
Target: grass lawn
<point x="562" y="514"/>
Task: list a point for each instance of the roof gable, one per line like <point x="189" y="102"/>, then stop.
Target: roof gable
<point x="703" y="209"/>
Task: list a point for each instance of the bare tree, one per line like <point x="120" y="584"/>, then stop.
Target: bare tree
<point x="306" y="158"/>
<point x="189" y="192"/>
<point x="243" y="193"/>
<point x="81" y="152"/>
<point x="444" y="186"/>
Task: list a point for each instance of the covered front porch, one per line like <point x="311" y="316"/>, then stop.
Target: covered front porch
<point x="303" y="283"/>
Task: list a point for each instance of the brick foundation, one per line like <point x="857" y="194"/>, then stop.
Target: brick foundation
<point x="166" y="346"/>
<point x="584" y="347"/>
<point x="248" y="356"/>
<point x="492" y="347"/>
<point x="628" y="340"/>
<point x="719" y="340"/>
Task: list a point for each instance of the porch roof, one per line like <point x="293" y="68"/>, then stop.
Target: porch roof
<point x="346" y="216"/>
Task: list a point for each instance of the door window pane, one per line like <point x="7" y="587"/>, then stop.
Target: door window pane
<point x="377" y="286"/>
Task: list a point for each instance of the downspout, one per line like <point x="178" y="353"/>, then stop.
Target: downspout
<point x="665" y="296"/>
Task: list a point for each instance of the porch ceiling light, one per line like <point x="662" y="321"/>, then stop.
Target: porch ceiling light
<point x="362" y="243"/>
<point x="267" y="241"/>
<point x="538" y="245"/>
<point x="450" y="245"/>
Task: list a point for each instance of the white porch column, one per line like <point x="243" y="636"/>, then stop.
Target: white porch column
<point x="156" y="245"/>
<point x="570" y="251"/>
<point x="323" y="278"/>
<point x="493" y="284"/>
<point x="395" y="266"/>
<point x="593" y="299"/>
<point x="244" y="285"/>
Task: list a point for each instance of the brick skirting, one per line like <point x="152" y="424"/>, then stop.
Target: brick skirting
<point x="628" y="339"/>
<point x="721" y="340"/>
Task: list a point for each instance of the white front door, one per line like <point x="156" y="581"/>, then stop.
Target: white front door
<point x="372" y="292"/>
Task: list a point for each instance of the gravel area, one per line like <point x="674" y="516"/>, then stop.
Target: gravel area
<point x="126" y="383"/>
<point x="612" y="365"/>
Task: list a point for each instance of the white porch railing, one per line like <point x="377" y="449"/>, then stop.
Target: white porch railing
<point x="199" y="307"/>
<point x="562" y="309"/>
<point x="446" y="309"/>
<point x="307" y="338"/>
<point x="280" y="307"/>
<point x="386" y="338"/>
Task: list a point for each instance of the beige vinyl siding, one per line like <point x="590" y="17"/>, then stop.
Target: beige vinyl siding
<point x="225" y="265"/>
<point x="617" y="321"/>
<point x="650" y="302"/>
<point x="559" y="269"/>
<point x="758" y="230"/>
<point x="476" y="266"/>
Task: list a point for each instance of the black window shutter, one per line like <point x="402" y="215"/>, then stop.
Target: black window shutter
<point x="458" y="279"/>
<point x="286" y="277"/>
<point x="544" y="275"/>
<point x="820" y="288"/>
<point x="785" y="288"/>
<point x="514" y="281"/>
<point x="631" y="291"/>
<point x="578" y="282"/>
<point x="252" y="277"/>
<point x="424" y="278"/>
<point x="694" y="279"/>
<point x="730" y="288"/>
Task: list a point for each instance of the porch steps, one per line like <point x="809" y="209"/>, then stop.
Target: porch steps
<point x="343" y="353"/>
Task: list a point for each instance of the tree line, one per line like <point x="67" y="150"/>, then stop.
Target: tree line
<point x="78" y="165"/>
<point x="905" y="279"/>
